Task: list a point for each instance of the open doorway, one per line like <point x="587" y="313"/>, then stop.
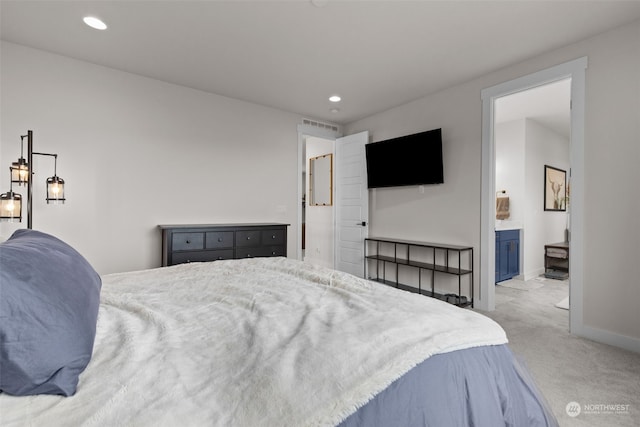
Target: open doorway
<point x="350" y="206"/>
<point x="324" y="135"/>
<point x="318" y="216"/>
<point x="576" y="71"/>
<point x="532" y="133"/>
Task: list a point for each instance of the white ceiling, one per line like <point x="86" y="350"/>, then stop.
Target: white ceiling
<point x="549" y="105"/>
<point x="293" y="55"/>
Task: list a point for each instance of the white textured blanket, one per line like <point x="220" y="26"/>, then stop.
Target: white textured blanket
<point x="260" y="342"/>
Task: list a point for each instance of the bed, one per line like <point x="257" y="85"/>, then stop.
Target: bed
<point x="256" y="342"/>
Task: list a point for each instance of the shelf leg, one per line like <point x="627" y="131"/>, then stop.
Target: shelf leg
<point x="471" y="263"/>
<point x="433" y="274"/>
<point x="365" y="259"/>
<point x="459" y="278"/>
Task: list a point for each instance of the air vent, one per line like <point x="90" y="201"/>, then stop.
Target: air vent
<point x="320" y="125"/>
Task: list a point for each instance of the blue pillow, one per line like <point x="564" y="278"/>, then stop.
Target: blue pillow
<point x="49" y="299"/>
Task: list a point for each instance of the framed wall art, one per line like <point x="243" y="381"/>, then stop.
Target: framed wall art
<point x="555" y="189"/>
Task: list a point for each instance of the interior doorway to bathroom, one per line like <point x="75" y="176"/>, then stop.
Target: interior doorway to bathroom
<point x="576" y="71"/>
<point x="532" y="132"/>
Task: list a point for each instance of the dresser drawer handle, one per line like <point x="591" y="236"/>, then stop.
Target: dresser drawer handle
<point x="188" y="242"/>
<point x="219" y="239"/>
<point x="248" y="255"/>
<point x="273" y="253"/>
<point x="273" y="237"/>
<point x="248" y="237"/>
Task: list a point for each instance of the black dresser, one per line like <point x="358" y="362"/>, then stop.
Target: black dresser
<point x="211" y="242"/>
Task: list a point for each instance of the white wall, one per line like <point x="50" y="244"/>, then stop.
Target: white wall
<point x="136" y="152"/>
<point x="510" y="173"/>
<point x="612" y="205"/>
<point x="444" y="213"/>
<point x="319" y="220"/>
<point x="450" y="212"/>
<point x="543" y="147"/>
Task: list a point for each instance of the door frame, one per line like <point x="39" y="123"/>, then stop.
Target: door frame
<point x="575" y="70"/>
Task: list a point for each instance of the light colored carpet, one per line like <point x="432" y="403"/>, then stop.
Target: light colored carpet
<point x="564" y="304"/>
<point x="521" y="284"/>
<point x="565" y="367"/>
<point x="502" y="299"/>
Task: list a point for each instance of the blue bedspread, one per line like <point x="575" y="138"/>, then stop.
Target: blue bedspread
<point x="481" y="386"/>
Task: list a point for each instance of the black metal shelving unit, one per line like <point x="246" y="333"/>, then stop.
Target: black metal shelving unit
<point x="435" y="258"/>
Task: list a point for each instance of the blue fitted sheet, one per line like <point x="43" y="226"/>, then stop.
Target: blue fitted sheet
<point x="481" y="386"/>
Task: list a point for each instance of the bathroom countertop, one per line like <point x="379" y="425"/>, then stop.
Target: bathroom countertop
<point x="502" y="225"/>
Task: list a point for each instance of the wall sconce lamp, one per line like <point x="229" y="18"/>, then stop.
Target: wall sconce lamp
<point x="22" y="174"/>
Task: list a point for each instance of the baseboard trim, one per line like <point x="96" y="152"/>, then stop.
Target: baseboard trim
<point x="610" y="338"/>
<point x="532" y="274"/>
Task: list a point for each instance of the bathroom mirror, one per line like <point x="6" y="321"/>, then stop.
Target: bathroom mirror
<point x="321" y="180"/>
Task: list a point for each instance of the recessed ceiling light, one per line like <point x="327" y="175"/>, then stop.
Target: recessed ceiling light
<point x="335" y="98"/>
<point x="335" y="110"/>
<point x="94" y="22"/>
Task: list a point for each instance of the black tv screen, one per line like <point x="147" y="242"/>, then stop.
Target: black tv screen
<point x="408" y="160"/>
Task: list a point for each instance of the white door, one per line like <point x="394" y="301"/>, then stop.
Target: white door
<point x="352" y="203"/>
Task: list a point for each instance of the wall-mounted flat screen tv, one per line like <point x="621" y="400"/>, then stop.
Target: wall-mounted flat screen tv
<point x="408" y="160"/>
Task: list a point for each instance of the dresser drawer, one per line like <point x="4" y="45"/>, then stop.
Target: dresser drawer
<point x="248" y="238"/>
<point x="260" y="251"/>
<point x="277" y="251"/>
<point x="187" y="241"/>
<point x="201" y="256"/>
<point x="273" y="237"/>
<point x="219" y="239"/>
